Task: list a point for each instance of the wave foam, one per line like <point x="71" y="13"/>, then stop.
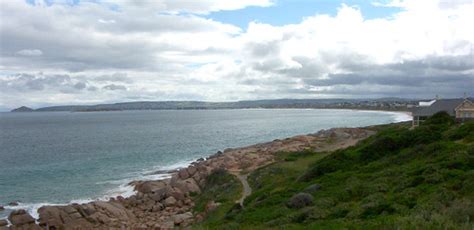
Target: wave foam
<point x="402" y="116"/>
<point x="123" y="189"/>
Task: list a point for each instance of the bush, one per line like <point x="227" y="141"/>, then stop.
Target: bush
<point x="384" y="144"/>
<point x="300" y="200"/>
<point x="465" y="130"/>
<point x="375" y="205"/>
<point x="440" y="118"/>
<point x="425" y="135"/>
<point x="336" y="161"/>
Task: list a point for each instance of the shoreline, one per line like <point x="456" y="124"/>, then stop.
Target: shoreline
<point x="125" y="190"/>
<point x="167" y="203"/>
<point x="256" y="108"/>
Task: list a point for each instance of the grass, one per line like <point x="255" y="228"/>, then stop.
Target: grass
<point x="396" y="179"/>
<point x="221" y="187"/>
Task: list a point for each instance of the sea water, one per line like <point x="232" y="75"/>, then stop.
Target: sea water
<point x="63" y="157"/>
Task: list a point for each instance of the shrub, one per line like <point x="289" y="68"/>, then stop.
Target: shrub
<point x="425" y="135"/>
<point x="385" y="143"/>
<point x="440" y="118"/>
<point x="336" y="161"/>
<point x="374" y="205"/>
<point x="300" y="200"/>
<point x="465" y="130"/>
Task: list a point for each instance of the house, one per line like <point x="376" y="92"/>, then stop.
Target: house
<point x="460" y="109"/>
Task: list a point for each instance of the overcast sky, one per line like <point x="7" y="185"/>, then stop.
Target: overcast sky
<point x="86" y="52"/>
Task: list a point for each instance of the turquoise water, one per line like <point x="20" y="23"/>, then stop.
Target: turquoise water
<point x="62" y="157"/>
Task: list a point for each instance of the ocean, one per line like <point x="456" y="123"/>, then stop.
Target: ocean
<point x="64" y="157"/>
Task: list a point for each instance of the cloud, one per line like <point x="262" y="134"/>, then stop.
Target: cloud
<point x="114" y="87"/>
<point x="26" y="82"/>
<point x="186" y="6"/>
<point x="31" y="53"/>
<point x="106" y="21"/>
<point x="115" y="77"/>
<point x="138" y="50"/>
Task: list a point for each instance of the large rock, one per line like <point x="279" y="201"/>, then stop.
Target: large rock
<point x="175" y="192"/>
<point x="20" y="217"/>
<point x="188" y="186"/>
<point x="183" y="174"/>
<point x="192" y="170"/>
<point x="170" y="201"/>
<point x="13" y="203"/>
<point x="114" y="210"/>
<point x="59" y="216"/>
<point x="2" y="208"/>
<point x="3" y="223"/>
<point x="300" y="200"/>
<point x="150" y="186"/>
<point x="182" y="218"/>
<point x="159" y="194"/>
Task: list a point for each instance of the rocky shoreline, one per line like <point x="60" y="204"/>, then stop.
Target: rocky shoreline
<point x="168" y="203"/>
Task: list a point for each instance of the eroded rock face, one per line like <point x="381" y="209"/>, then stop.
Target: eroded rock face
<point x="3" y="223"/>
<point x="89" y="215"/>
<point x="20" y="219"/>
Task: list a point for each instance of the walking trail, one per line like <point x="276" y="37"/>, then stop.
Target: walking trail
<point x="246" y="188"/>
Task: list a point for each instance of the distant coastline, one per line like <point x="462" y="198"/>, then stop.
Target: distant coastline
<point x="384" y="104"/>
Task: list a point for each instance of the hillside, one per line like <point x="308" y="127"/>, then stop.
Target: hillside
<point x="396" y="179"/>
<point x="384" y="104"/>
<point x="22" y="109"/>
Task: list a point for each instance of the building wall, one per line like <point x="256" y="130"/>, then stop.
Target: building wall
<point x="465" y="110"/>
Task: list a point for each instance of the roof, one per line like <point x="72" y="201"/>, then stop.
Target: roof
<point x="447" y="105"/>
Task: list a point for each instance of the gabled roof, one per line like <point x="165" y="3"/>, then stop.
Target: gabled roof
<point x="464" y="103"/>
<point x="447" y="105"/>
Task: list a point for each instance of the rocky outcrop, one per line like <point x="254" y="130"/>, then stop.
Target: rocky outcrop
<point x="20" y="219"/>
<point x="94" y="214"/>
<point x="165" y="204"/>
<point x="13" y="203"/>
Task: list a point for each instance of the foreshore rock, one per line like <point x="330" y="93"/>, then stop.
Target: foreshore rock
<point x="20" y="219"/>
<point x="165" y="204"/>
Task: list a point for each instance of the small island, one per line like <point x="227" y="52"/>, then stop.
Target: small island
<point x="23" y="109"/>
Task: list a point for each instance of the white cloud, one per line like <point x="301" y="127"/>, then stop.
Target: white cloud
<point x="106" y="21"/>
<point x="186" y="6"/>
<point x="155" y="56"/>
<point x="30" y="52"/>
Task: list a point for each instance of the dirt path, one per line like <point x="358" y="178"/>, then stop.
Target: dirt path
<point x="246" y="187"/>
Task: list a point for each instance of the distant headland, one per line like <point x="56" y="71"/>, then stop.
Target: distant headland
<point x="391" y="104"/>
<point x="23" y="109"/>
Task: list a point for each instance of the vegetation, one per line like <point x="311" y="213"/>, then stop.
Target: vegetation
<point x="222" y="188"/>
<point x="396" y="179"/>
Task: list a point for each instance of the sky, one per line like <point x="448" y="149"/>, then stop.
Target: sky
<point x="59" y="52"/>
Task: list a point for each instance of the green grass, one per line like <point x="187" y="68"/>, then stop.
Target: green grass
<point x="221" y="187"/>
<point x="396" y="179"/>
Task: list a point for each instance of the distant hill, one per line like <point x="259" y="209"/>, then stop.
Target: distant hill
<point x="386" y="104"/>
<point x="23" y="109"/>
